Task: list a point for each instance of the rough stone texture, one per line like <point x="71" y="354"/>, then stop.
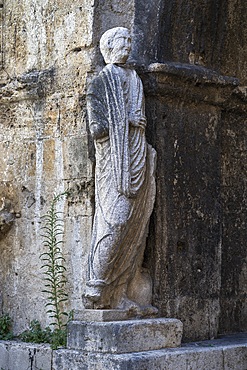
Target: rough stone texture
<point x="7" y="217"/>
<point x="210" y="33"/>
<point x="200" y="223"/>
<point x="47" y="53"/>
<point x="202" y="183"/>
<point x="234" y="182"/>
<point x="124" y="336"/>
<point x="23" y="356"/>
<point x="184" y="106"/>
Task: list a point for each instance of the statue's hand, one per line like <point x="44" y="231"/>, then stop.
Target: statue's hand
<point x="98" y="131"/>
<point x="137" y="120"/>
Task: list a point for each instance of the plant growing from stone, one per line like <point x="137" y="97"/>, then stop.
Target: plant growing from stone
<point x="55" y="281"/>
<point x="5" y="327"/>
<point x="35" y="334"/>
<point x="53" y="264"/>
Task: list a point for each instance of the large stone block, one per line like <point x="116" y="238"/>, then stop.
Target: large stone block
<point x="167" y="359"/>
<point x="235" y="357"/>
<point x="4" y="356"/>
<point x="124" y="336"/>
<point x="22" y="356"/>
<point x="228" y="353"/>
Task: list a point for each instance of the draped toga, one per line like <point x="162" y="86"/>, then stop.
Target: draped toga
<point x="124" y="181"/>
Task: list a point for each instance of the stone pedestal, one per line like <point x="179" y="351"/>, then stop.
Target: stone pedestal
<point x="124" y="336"/>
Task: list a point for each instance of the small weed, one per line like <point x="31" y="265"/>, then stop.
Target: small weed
<point x="58" y="338"/>
<point x="5" y="327"/>
<point x="36" y="334"/>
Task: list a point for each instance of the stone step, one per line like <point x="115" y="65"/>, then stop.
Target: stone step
<point x="228" y="353"/>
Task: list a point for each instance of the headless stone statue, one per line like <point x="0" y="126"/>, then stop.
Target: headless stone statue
<point x="124" y="182"/>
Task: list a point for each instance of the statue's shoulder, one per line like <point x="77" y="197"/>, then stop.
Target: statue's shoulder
<point x="109" y="69"/>
<point x="96" y="85"/>
<point x="98" y="80"/>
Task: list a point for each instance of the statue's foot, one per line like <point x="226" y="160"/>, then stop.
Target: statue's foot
<point x="149" y="311"/>
<point x="127" y="305"/>
<point x="91" y="297"/>
<point x="134" y="309"/>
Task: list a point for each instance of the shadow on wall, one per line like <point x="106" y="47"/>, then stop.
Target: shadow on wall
<point x="210" y="33"/>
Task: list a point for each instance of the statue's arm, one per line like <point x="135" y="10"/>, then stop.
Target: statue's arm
<point x="137" y="116"/>
<point x="97" y="109"/>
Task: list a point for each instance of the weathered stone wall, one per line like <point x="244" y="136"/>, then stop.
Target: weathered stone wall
<point x="234" y="200"/>
<point x="184" y="108"/>
<point x="49" y="52"/>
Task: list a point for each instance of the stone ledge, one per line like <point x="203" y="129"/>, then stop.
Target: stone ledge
<point x="192" y="72"/>
<point x="194" y="84"/>
<point x="228" y="353"/>
<point x="124" y="336"/>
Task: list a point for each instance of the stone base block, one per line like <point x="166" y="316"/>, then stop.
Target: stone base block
<point x="124" y="336"/>
<point x="23" y="356"/>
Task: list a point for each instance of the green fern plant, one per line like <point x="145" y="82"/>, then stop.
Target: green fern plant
<point x="53" y="264"/>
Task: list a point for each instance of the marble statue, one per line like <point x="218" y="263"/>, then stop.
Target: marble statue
<point x="124" y="182"/>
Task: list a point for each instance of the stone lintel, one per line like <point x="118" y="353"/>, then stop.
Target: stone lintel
<point x="125" y="336"/>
